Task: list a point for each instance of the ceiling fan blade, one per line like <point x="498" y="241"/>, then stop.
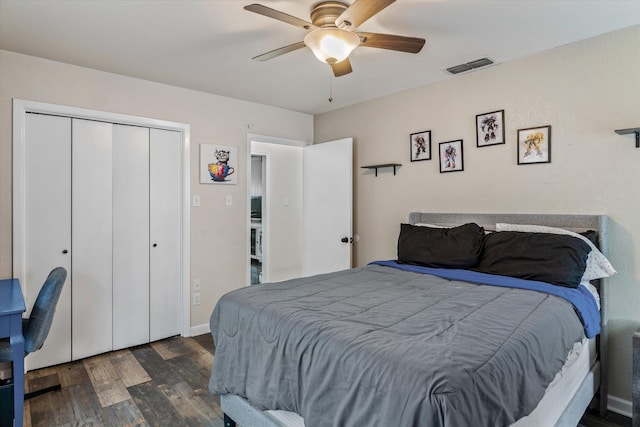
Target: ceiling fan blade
<point x="391" y="42"/>
<point x="341" y="68"/>
<point x="360" y="11"/>
<point x="280" y="51"/>
<point x="280" y="16"/>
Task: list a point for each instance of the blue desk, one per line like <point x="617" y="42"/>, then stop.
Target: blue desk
<point x="11" y="308"/>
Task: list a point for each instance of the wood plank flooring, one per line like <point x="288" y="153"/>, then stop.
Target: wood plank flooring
<point x="159" y="384"/>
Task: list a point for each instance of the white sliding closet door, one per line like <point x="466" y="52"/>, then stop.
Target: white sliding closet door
<point x="47" y="233"/>
<point x="91" y="188"/>
<point x="130" y="236"/>
<point x="165" y="219"/>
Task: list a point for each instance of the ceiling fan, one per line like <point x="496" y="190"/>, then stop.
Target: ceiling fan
<point x="332" y="36"/>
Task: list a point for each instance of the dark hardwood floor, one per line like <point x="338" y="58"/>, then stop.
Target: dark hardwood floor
<point x="158" y="384"/>
<point x="592" y="419"/>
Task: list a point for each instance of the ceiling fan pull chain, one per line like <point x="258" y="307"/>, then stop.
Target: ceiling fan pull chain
<point x="330" y="87"/>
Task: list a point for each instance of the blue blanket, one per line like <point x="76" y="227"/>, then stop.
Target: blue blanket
<point x="580" y="297"/>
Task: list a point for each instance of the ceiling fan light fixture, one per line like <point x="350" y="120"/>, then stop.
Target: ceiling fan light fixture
<point x="332" y="45"/>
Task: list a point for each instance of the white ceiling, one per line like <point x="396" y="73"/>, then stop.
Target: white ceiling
<point x="207" y="45"/>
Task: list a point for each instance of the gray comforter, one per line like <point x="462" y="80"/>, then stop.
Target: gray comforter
<point x="377" y="346"/>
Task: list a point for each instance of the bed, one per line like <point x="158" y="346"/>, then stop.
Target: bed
<point x="409" y="344"/>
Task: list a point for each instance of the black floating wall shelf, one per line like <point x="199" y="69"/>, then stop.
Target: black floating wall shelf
<point x="383" y="165"/>
<point x="630" y="131"/>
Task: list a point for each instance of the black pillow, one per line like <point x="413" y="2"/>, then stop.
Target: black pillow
<point x="552" y="258"/>
<point x="592" y="236"/>
<point x="458" y="247"/>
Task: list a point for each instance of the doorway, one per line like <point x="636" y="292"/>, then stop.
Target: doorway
<point x="303" y="188"/>
<point x="276" y="187"/>
<point x="258" y="199"/>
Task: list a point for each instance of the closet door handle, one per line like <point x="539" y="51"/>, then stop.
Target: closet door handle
<point x="65" y="251"/>
<point x="155" y="244"/>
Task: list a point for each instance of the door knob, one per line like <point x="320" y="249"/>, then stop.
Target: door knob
<point x="155" y="244"/>
<point x="64" y="251"/>
<point x="345" y="240"/>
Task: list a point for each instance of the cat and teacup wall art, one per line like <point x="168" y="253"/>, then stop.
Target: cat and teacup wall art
<point x="218" y="164"/>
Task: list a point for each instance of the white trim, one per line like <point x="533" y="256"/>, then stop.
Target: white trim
<point x="619" y="406"/>
<point x="85" y="113"/>
<point x="186" y="230"/>
<point x="22" y="107"/>
<point x="200" y="330"/>
<point x="275" y="140"/>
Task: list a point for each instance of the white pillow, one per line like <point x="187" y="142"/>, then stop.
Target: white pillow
<point x="422" y="224"/>
<point x="598" y="266"/>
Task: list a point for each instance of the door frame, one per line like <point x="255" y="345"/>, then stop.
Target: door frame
<point x="22" y="107"/>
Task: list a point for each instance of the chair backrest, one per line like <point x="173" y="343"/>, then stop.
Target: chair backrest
<point x="37" y="327"/>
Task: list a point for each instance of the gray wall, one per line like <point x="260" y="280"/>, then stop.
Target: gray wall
<point x="583" y="90"/>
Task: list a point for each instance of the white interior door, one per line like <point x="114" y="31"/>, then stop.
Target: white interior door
<point x="130" y="236"/>
<point x="165" y="219"/>
<point x="327" y="206"/>
<point x="91" y="238"/>
<point x="47" y="191"/>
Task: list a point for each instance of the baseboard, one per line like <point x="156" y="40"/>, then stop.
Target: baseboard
<point x="199" y="330"/>
<point x="619" y="406"/>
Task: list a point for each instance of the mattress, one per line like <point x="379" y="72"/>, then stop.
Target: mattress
<point x="316" y="347"/>
<point x="559" y="393"/>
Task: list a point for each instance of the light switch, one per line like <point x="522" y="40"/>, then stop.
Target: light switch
<point x="196" y="200"/>
<point x="285" y="201"/>
<point x="229" y="200"/>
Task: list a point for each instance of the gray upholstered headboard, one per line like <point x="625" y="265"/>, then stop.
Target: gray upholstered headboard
<point x="575" y="223"/>
<point x="488" y="221"/>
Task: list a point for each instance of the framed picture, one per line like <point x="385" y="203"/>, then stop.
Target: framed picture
<point x="218" y="164"/>
<point x="451" y="156"/>
<point x="420" y="143"/>
<point x="490" y="128"/>
<point x="534" y="145"/>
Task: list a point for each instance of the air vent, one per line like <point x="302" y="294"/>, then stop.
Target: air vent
<point x="478" y="63"/>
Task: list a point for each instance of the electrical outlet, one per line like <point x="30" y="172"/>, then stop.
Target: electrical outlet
<point x="196" y="298"/>
<point x="196" y="284"/>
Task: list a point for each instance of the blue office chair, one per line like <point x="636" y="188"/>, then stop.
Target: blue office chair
<point x="36" y="328"/>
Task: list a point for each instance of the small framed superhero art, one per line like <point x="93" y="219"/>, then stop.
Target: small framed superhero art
<point x="420" y="143"/>
<point x="451" y="158"/>
<point x="490" y="129"/>
<point x="534" y="145"/>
